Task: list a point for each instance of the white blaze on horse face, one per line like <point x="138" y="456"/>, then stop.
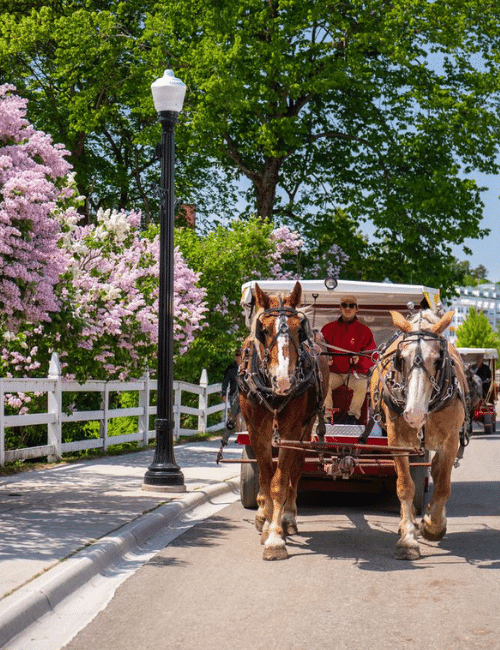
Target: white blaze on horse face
<point x="416" y="410"/>
<point x="419" y="389"/>
<point x="283" y="383"/>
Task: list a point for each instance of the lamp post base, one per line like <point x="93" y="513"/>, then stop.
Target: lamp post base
<point x="164" y="488"/>
<point x="164" y="479"/>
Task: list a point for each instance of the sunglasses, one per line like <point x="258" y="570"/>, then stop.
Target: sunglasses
<point x="349" y="305"/>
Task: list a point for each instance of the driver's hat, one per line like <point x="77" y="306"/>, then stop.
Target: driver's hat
<point x="349" y="298"/>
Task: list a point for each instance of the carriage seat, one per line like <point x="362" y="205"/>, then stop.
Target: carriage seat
<point x="341" y="399"/>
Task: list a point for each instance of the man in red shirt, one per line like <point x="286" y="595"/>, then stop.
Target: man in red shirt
<point x="349" y="334"/>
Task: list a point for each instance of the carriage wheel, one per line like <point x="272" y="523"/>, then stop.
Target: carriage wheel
<point x="249" y="479"/>
<point x="489" y="424"/>
<point x="420" y="476"/>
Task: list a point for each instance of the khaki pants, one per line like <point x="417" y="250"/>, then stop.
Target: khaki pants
<point x="358" y="385"/>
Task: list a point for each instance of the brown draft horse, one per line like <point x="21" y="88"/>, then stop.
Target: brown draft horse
<point x="420" y="391"/>
<point x="283" y="380"/>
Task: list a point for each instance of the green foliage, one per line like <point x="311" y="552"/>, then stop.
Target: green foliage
<point x="476" y="332"/>
<point x="226" y="258"/>
<point x="374" y="107"/>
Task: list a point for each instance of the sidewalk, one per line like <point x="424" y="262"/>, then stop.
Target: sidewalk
<point x="90" y="512"/>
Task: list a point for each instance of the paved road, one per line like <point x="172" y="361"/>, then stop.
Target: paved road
<point x="341" y="589"/>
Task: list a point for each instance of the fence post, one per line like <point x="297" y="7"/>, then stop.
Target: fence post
<point x="2" y="424"/>
<point x="203" y="403"/>
<point x="54" y="406"/>
<point x="104" y="421"/>
<point x="144" y="397"/>
<point x="177" y="409"/>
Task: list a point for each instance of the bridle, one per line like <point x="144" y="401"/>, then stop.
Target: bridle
<point x="395" y="377"/>
<point x="253" y="378"/>
<point x="283" y="314"/>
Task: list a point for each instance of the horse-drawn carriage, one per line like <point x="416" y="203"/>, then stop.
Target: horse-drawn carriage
<point x="484" y="409"/>
<point x="418" y="396"/>
<point x="373" y="469"/>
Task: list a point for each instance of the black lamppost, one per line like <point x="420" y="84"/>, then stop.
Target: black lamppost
<point x="164" y="474"/>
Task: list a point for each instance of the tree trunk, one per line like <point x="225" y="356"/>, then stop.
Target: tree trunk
<point x="265" y="188"/>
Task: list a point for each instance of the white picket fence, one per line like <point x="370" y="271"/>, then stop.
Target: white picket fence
<point x="54" y="417"/>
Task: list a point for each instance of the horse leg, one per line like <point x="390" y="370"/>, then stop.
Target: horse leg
<point x="274" y="546"/>
<point x="288" y="521"/>
<point x="407" y="547"/>
<point x="264" y="513"/>
<point x="433" y="524"/>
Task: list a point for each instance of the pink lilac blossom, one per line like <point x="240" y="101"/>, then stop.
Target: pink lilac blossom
<point x="109" y="291"/>
<point x="286" y="242"/>
<point x="31" y="262"/>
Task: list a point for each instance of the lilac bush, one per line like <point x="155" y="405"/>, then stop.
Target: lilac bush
<point x="87" y="292"/>
<point x="32" y="191"/>
<point x="108" y="294"/>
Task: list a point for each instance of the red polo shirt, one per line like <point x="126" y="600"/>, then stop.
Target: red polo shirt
<point x="352" y="336"/>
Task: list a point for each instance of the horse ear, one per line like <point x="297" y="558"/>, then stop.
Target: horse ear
<point x="443" y="323"/>
<point x="261" y="297"/>
<point x="400" y="321"/>
<point x="296" y="295"/>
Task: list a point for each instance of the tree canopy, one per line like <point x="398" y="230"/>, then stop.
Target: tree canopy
<point x="378" y="109"/>
<point x="225" y="258"/>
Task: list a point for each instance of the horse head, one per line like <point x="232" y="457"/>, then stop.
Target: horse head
<point x="419" y="359"/>
<point x="475" y="386"/>
<point x="278" y="331"/>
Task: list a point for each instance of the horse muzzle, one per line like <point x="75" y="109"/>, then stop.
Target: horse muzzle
<point x="282" y="386"/>
<point x="416" y="418"/>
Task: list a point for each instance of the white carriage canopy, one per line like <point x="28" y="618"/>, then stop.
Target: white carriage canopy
<point x="375" y="301"/>
<point x="471" y="355"/>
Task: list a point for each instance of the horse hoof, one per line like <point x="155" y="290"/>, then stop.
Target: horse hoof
<point x="407" y="553"/>
<point x="275" y="553"/>
<point x="289" y="528"/>
<point x="430" y="535"/>
<point x="259" y="524"/>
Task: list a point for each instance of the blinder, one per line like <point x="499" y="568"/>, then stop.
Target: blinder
<point x="398" y="360"/>
<point x="283" y="313"/>
<point x="305" y="332"/>
<point x="418" y="361"/>
<point x="259" y="332"/>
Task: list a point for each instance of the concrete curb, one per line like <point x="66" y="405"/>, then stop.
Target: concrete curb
<point x="23" y="607"/>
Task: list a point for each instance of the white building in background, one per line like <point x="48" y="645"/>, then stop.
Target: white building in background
<point x="484" y="297"/>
